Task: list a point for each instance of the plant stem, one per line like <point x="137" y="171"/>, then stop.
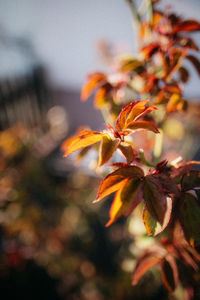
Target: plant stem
<point x="158" y="144"/>
<point x="143" y="159"/>
<point x="136" y="16"/>
<point x="150" y="9"/>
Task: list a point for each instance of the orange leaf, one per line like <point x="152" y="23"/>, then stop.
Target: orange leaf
<point x="143" y="125"/>
<point x="143" y="265"/>
<point x="108" y="146"/>
<point x="126" y="199"/>
<point x="129" y="112"/>
<point x="128" y="151"/>
<point x="149" y="50"/>
<point x="173" y="103"/>
<point x="145" y="112"/>
<point x="111" y="182"/>
<point x="93" y="81"/>
<point x="100" y="98"/>
<point x="85" y="139"/>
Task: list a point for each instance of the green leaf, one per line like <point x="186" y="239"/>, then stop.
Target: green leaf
<point x="152" y="226"/>
<point x="190" y="219"/>
<point x="190" y="180"/>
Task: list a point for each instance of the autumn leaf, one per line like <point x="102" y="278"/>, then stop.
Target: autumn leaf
<point x="100" y="98"/>
<point x="128" y="64"/>
<point x="111" y="182"/>
<point x="195" y="61"/>
<point x="187" y="42"/>
<point x="169" y="186"/>
<point x="85" y="139"/>
<point x="186" y="257"/>
<point x="190" y="180"/>
<point x="155" y="198"/>
<point x="149" y="50"/>
<point x="128" y="151"/>
<point x="143" y="125"/>
<point x="126" y="199"/>
<point x="153" y="227"/>
<point x="108" y="146"/>
<point x="188" y="25"/>
<point x="169" y="273"/>
<point x="176" y="57"/>
<point x="175" y="103"/>
<point x="145" y="262"/>
<point x="132" y="112"/>
<point x="94" y="80"/>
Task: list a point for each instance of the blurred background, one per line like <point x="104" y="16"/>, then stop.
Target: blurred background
<point x="53" y="243"/>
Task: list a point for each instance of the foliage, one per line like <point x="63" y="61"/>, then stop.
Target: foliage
<point x="167" y="191"/>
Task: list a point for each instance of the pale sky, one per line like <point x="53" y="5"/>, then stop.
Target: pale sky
<point x="64" y="34"/>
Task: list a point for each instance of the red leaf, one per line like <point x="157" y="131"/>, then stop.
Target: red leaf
<point x="188" y="25"/>
<point x="168" y="184"/>
<point x="195" y="61"/>
<point x="143" y="265"/>
<point x="111" y="183"/>
<point x="169" y="273"/>
<point x="176" y="172"/>
<point x="155" y="198"/>
<point x="186" y="258"/>
<point x="184" y="74"/>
